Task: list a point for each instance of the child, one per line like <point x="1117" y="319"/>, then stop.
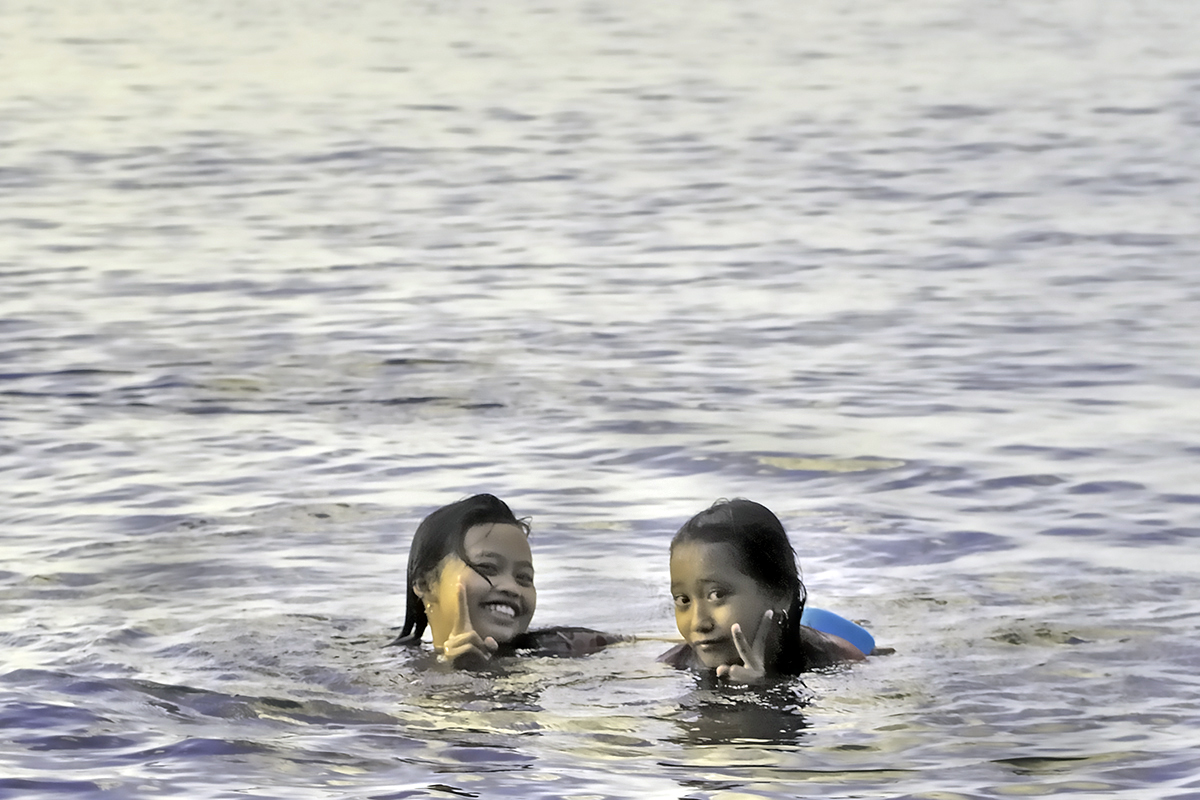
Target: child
<point x="470" y="579"/>
<point x="739" y="597"/>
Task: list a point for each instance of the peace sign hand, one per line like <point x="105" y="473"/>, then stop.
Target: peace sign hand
<point x="464" y="648"/>
<point x="753" y="668"/>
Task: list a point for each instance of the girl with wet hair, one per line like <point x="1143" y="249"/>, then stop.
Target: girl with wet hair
<point x="471" y="583"/>
<point x="739" y="597"/>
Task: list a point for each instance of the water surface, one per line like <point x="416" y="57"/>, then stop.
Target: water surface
<point x="276" y="282"/>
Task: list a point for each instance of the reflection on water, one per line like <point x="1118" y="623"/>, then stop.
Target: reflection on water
<point x="274" y="286"/>
<point x="739" y="715"/>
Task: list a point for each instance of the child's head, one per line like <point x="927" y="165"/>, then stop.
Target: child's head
<point x="730" y="564"/>
<point x="479" y="543"/>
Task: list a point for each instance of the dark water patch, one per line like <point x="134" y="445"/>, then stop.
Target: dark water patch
<point x="404" y="401"/>
<point x="421" y="362"/>
<point x="472" y="757"/>
<point x="88" y="157"/>
<point x="1105" y="487"/>
<point x="147" y="185"/>
<point x="66" y="395"/>
<point x="125" y="637"/>
<point x="1016" y="481"/>
<point x="140" y="494"/>
<point x="295" y="289"/>
<point x="978" y="198"/>
<point x="1164" y="536"/>
<point x="1094" y="402"/>
<point x="1132" y="184"/>
<point x="925" y="476"/>
<point x="1060" y="238"/>
<point x="70" y="579"/>
<point x="957" y="112"/>
<point x="199" y="747"/>
<point x="913" y="549"/>
<point x="168" y="381"/>
<point x="72" y="447"/>
<point x="772" y="716"/>
<point x="68" y="787"/>
<point x="20" y="177"/>
<point x="1051" y="453"/>
<point x="27" y="224"/>
<point x="1126" y="110"/>
<point x="89" y="687"/>
<point x="216" y="409"/>
<point x="84" y="742"/>
<point x="1042" y="765"/>
<point x="36" y="715"/>
<point x="125" y="283"/>
<point x="1141" y="769"/>
<point x="544" y="178"/>
<point x="1072" y="531"/>
<point x="151" y="523"/>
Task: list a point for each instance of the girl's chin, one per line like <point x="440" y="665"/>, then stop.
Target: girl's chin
<point x="714" y="660"/>
<point x="503" y="634"/>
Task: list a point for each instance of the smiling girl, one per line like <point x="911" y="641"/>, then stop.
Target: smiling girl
<point x="738" y="598"/>
<point x="471" y="581"/>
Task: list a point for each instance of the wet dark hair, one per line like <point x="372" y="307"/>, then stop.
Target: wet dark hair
<point x="764" y="554"/>
<point x="441" y="534"/>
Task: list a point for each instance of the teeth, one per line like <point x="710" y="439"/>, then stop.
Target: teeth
<point x="502" y="608"/>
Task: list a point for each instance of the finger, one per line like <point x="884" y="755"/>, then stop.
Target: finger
<point x="738" y="674"/>
<point x="470" y="640"/>
<point x="744" y="650"/>
<point x="467" y="650"/>
<point x="462" y="619"/>
<point x="764" y="633"/>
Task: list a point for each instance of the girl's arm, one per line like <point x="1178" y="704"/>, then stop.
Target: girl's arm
<point x="825" y="649"/>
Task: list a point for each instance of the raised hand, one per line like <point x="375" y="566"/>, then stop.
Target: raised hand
<point x="753" y="668"/>
<point x="464" y="648"/>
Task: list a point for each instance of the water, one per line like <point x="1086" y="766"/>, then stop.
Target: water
<point x="275" y="281"/>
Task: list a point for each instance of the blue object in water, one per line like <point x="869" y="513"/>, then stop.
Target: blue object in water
<point x="829" y="622"/>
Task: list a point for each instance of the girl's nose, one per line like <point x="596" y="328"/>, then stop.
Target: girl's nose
<point x="701" y="620"/>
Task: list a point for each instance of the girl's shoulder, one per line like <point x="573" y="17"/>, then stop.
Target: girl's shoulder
<point x="565" y="641"/>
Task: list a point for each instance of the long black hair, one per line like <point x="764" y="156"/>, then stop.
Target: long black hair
<point x="441" y="534"/>
<point x="764" y="554"/>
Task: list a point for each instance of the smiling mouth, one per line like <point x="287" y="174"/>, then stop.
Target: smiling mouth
<point x="709" y="644"/>
<point x="500" y="609"/>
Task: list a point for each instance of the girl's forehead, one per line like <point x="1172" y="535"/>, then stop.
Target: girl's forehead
<point x="498" y="536"/>
<point x="710" y="557"/>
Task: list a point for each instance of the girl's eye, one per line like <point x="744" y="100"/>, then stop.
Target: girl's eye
<point x="681" y="600"/>
<point x="525" y="579"/>
<point x="718" y="594"/>
<point x="486" y="569"/>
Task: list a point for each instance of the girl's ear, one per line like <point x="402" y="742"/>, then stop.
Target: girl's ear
<point x="785" y="601"/>
<point x="422" y="586"/>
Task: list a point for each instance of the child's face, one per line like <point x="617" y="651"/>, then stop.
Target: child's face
<point x="711" y="594"/>
<point x="501" y="609"/>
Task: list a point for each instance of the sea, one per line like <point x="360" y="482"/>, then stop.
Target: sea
<point x="279" y="279"/>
